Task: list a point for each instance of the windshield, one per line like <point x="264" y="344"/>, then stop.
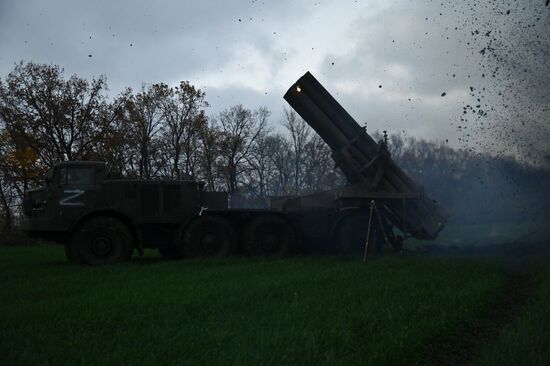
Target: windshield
<point x="76" y="176"/>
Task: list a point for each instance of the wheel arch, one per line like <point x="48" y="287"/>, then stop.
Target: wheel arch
<point x="183" y="225"/>
<point x="130" y="224"/>
<point x="192" y="228"/>
<point x="238" y="219"/>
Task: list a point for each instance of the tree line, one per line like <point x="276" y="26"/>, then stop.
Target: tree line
<point x="157" y="132"/>
<point x="164" y="132"/>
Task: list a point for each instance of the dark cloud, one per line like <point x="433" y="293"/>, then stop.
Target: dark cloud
<point x="414" y="50"/>
<point x="133" y="42"/>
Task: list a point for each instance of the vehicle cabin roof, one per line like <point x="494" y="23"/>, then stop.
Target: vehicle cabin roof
<point x="136" y="180"/>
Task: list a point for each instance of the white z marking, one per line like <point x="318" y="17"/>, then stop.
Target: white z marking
<point x="73" y="193"/>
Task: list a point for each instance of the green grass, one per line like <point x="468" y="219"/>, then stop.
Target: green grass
<point x="526" y="340"/>
<point x="236" y="311"/>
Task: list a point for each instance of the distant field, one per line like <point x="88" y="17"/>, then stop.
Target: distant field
<point x="239" y="311"/>
<point x="487" y="233"/>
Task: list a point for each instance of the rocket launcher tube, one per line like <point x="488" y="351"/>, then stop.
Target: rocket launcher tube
<point x="358" y="155"/>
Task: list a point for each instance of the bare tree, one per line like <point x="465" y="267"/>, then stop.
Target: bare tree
<point x="145" y="116"/>
<point x="279" y="149"/>
<point x="239" y="128"/>
<point x="185" y="118"/>
<point x="209" y="137"/>
<point x="319" y="170"/>
<point x="299" y="134"/>
<point x="260" y="164"/>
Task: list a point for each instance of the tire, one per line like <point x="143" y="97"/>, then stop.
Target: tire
<point x="350" y="235"/>
<point x="209" y="236"/>
<point x="101" y="240"/>
<point x="170" y="253"/>
<point x="269" y="236"/>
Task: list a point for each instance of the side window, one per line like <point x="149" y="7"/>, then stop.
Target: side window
<point x="76" y="176"/>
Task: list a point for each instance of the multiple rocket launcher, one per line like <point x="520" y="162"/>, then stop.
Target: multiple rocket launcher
<point x="367" y="165"/>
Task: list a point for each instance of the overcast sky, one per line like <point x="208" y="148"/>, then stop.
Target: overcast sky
<point x="250" y="52"/>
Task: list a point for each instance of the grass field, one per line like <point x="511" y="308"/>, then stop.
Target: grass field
<point x="526" y="339"/>
<point x="389" y="311"/>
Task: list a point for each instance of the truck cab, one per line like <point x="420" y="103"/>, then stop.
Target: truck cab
<point x="68" y="193"/>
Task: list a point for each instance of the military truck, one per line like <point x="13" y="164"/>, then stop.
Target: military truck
<point x="101" y="218"/>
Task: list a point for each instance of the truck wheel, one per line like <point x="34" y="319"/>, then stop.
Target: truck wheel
<point x="350" y="235"/>
<point x="101" y="240"/>
<point x="268" y="236"/>
<point x="170" y="253"/>
<point x="209" y="236"/>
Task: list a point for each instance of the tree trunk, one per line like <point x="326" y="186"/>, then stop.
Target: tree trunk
<point x="8" y="226"/>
